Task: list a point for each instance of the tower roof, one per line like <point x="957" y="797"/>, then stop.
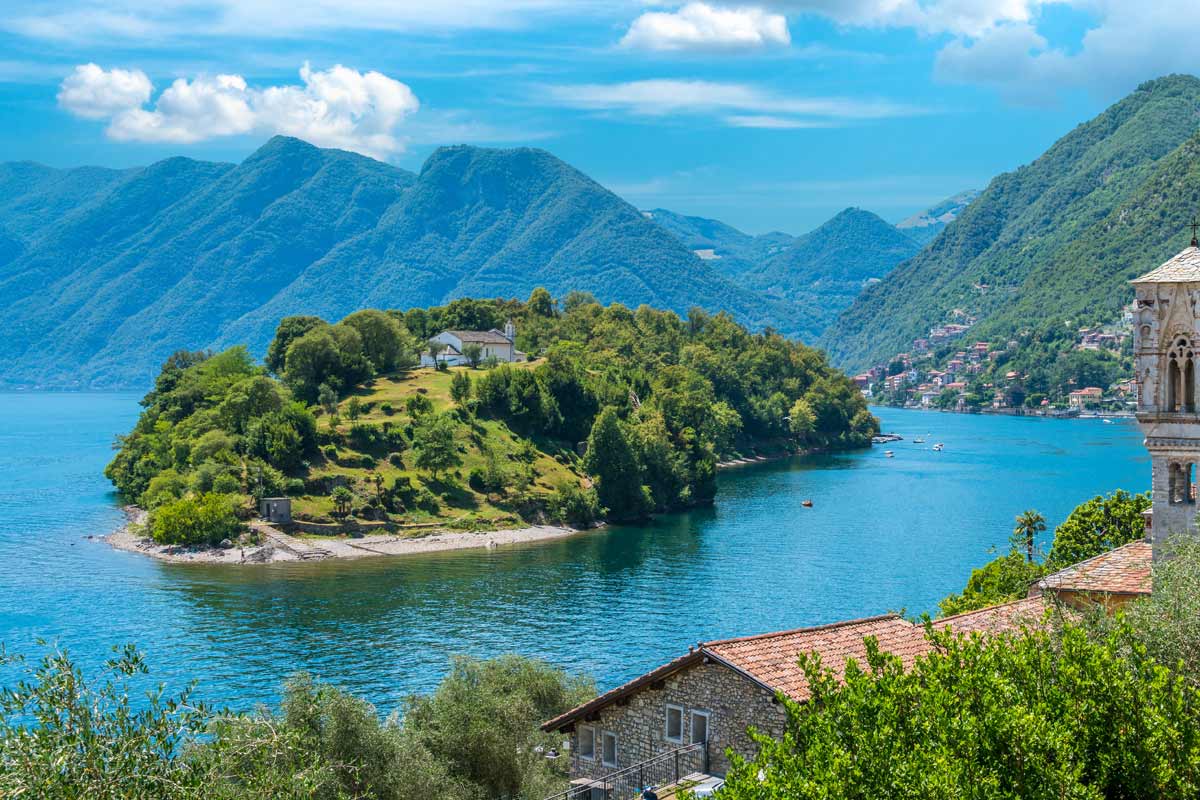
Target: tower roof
<point x="1183" y="268"/>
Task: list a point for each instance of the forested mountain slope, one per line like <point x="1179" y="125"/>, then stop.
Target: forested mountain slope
<point x="104" y="273"/>
<point x="1055" y="238"/>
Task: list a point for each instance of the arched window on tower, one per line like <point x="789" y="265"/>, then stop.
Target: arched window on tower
<point x="1181" y="378"/>
<point x="1181" y="486"/>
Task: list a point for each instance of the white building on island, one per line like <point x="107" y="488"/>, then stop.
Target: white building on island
<point x="492" y="344"/>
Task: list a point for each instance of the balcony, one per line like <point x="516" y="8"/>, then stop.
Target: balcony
<point x="666" y="773"/>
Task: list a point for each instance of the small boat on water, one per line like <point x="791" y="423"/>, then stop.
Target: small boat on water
<point x="937" y="448"/>
<point x="889" y="453"/>
<point x="918" y="440"/>
<point x="806" y="503"/>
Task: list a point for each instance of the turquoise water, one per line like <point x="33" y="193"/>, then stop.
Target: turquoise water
<point x="883" y="533"/>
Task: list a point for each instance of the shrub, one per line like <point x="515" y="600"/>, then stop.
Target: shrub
<point x="226" y="483"/>
<point x="574" y="505"/>
<point x="387" y="408"/>
<point x="294" y="487"/>
<point x="164" y="487"/>
<point x="331" y="453"/>
<point x="418" y="405"/>
<point x="197" y="519"/>
<point x="396" y="460"/>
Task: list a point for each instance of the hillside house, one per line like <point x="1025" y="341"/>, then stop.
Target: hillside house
<point x="1088" y="397"/>
<point x="690" y="712"/>
<point x="499" y="345"/>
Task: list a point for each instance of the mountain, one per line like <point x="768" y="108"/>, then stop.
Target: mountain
<point x="1052" y="242"/>
<point x="820" y="273"/>
<point x="732" y="251"/>
<point x="104" y="273"/>
<point x="923" y="227"/>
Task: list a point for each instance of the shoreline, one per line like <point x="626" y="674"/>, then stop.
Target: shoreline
<point x="279" y="547"/>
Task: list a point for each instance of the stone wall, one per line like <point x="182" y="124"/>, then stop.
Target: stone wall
<point x="733" y="703"/>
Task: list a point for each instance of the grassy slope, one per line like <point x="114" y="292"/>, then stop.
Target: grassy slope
<point x="458" y="503"/>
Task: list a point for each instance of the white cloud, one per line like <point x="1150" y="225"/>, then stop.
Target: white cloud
<point x="959" y="17"/>
<point x="1127" y="45"/>
<point x="771" y="122"/>
<point x="94" y="93"/>
<point x="338" y="107"/>
<point x="700" y="26"/>
<point x="735" y="102"/>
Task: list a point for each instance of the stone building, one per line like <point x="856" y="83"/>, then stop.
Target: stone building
<point x="1166" y="343"/>
<point x="704" y="702"/>
<point x="496" y="344"/>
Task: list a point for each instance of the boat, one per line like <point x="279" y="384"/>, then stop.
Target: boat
<point x="937" y="448"/>
<point x="806" y="503"/>
<point x="918" y="440"/>
<point x="889" y="453"/>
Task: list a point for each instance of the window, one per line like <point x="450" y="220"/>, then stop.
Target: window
<point x="587" y="743"/>
<point x="609" y="756"/>
<point x="673" y="730"/>
<point x="699" y="726"/>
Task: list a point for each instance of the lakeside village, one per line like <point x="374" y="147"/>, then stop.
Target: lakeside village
<point x="972" y="378"/>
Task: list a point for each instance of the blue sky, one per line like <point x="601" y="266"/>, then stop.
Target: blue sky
<point x="770" y="116"/>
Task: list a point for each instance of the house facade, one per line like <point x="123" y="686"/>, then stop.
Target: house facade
<point x="496" y="344"/>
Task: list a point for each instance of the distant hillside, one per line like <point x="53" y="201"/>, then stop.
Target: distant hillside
<point x="819" y="273"/>
<point x="924" y="226"/>
<point x="103" y="273"/>
<point x="1054" y="240"/>
<point x="733" y="251"/>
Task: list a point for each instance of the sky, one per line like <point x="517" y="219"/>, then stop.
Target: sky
<point x="772" y="115"/>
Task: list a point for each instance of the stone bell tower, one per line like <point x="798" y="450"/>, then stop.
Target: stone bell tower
<point x="1166" y="347"/>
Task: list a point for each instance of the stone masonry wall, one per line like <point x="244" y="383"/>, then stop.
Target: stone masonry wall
<point x="733" y="702"/>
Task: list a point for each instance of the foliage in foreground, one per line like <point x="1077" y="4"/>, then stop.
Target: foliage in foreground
<point x="1035" y="715"/>
<point x="475" y="738"/>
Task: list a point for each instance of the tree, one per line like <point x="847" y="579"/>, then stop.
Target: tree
<point x="312" y="359"/>
<point x="1098" y="525"/>
<point x="473" y="353"/>
<point x="207" y="518"/>
<point x="342" y="499"/>
<point x="802" y="422"/>
<point x="460" y="388"/>
<point x="354" y="409"/>
<point x="482" y="723"/>
<point x="386" y="343"/>
<point x="1029" y="524"/>
<point x="1002" y="579"/>
<point x="435" y="349"/>
<point x="1039" y="714"/>
<point x="327" y="398"/>
<point x="540" y="303"/>
<point x="611" y="461"/>
<point x="64" y="734"/>
<point x="289" y="330"/>
<point x="433" y="441"/>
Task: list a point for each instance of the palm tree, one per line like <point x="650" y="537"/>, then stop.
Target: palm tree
<point x="1029" y="524"/>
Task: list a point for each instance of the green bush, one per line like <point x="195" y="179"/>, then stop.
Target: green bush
<point x="572" y="504"/>
<point x="196" y="519"/>
<point x="387" y="408"/>
<point x="226" y="483"/>
<point x="294" y="487"/>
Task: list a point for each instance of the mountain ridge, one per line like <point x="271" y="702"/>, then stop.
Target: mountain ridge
<point x="103" y="273"/>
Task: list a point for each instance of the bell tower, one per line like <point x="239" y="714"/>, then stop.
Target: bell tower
<point x="1166" y="348"/>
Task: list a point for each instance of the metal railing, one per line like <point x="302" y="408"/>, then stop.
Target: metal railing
<point x="628" y="783"/>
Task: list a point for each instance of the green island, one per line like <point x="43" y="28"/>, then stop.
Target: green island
<point x="603" y="413"/>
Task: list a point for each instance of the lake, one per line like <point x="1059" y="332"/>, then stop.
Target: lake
<point x="883" y="534"/>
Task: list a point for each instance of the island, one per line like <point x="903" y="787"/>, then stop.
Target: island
<point x="476" y="424"/>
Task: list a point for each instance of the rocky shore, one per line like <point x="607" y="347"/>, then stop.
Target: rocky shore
<point x="275" y="545"/>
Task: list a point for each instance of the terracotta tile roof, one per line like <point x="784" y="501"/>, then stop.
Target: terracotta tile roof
<point x="1003" y="618"/>
<point x="1183" y="268"/>
<point x="1125" y="570"/>
<point x="772" y="659"/>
